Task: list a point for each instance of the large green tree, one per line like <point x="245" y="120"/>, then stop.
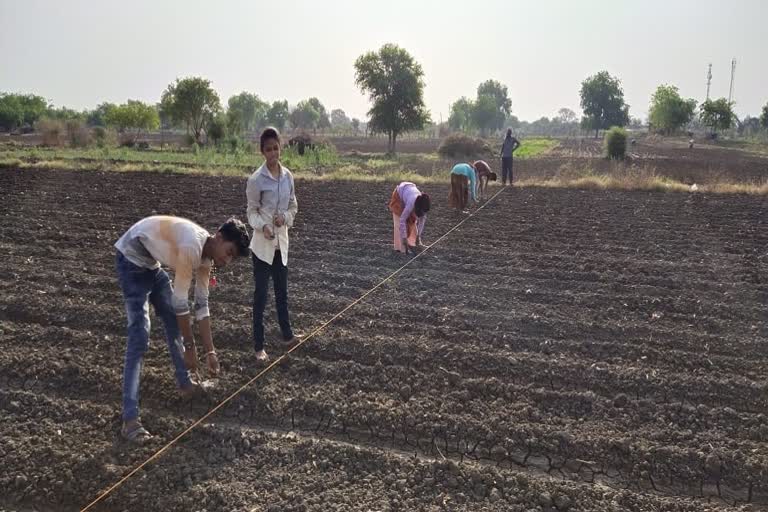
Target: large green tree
<point x="98" y="116"/>
<point x="278" y="113"/>
<point x="668" y="111"/>
<point x="501" y="100"/>
<point x="602" y="100"/>
<point x="66" y="114"/>
<point x="717" y="114"/>
<point x="764" y="117"/>
<point x="305" y="116"/>
<point x="566" y="115"/>
<point x="324" y="120"/>
<point x="485" y="114"/>
<point x="21" y="110"/>
<point x="132" y="118"/>
<point x="339" y="119"/>
<point x="191" y="101"/>
<point x="394" y="82"/>
<point x="460" y="118"/>
<point x="246" y="112"/>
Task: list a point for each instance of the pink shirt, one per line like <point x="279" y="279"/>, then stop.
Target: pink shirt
<point x="408" y="194"/>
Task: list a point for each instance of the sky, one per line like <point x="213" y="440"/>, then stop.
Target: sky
<point x="79" y="53"/>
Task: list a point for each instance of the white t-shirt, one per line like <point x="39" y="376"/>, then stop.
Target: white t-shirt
<point x="175" y="243"/>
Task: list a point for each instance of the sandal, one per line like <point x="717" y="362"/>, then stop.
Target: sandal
<point x="137" y="434"/>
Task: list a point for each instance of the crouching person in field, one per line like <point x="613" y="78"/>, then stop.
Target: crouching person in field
<point x="484" y="175"/>
<point x="463" y="186"/>
<point x="190" y="251"/>
<point x="409" y="207"/>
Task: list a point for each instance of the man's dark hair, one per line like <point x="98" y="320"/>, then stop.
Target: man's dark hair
<point x="492" y="176"/>
<point x="423" y="203"/>
<point x="267" y="134"/>
<point x="235" y="231"/>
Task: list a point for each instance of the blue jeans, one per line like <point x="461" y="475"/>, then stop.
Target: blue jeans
<point x="140" y="287"/>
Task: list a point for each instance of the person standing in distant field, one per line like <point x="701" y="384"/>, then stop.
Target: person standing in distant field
<point x="508" y="147"/>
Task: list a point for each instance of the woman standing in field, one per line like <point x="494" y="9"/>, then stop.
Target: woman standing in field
<point x="463" y="186"/>
<point x="409" y="207"/>
<point x="272" y="207"/>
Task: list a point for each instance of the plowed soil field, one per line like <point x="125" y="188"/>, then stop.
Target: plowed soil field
<point x="561" y="350"/>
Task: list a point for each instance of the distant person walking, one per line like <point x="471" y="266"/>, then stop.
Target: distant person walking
<point x="508" y="147"/>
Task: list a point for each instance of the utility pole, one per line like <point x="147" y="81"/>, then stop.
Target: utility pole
<point x="709" y="79"/>
<point x="733" y="76"/>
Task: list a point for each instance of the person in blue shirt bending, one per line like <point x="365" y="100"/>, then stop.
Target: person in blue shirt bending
<point x="463" y="186"/>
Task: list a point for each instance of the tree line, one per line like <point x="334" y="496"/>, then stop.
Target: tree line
<point x="394" y="82"/>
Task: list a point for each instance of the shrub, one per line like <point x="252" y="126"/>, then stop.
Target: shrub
<point x="53" y="132"/>
<point x="461" y="145"/>
<point x="217" y="129"/>
<point x="126" y="141"/>
<point x="616" y="143"/>
<point x="104" y="137"/>
<point x="78" y="134"/>
<point x="237" y="144"/>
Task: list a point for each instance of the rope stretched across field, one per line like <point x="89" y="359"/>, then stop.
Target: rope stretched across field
<point x="282" y="357"/>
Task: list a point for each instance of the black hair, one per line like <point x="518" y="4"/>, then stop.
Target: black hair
<point x="423" y="203"/>
<point x="235" y="231"/>
<point x="492" y="176"/>
<point x="268" y="133"/>
<point x="509" y="133"/>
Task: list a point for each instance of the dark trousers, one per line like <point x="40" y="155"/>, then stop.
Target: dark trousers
<point x="262" y="271"/>
<point x="506" y="169"/>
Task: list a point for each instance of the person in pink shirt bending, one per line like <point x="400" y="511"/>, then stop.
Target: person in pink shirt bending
<point x="409" y="207"/>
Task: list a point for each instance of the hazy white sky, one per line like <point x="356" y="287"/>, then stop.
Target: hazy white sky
<point x="79" y="53"/>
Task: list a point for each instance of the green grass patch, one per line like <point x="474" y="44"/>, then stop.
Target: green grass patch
<point x="325" y="164"/>
<point x="531" y="148"/>
<point x="201" y="158"/>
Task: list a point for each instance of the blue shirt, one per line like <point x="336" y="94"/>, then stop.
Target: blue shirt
<point x="468" y="171"/>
